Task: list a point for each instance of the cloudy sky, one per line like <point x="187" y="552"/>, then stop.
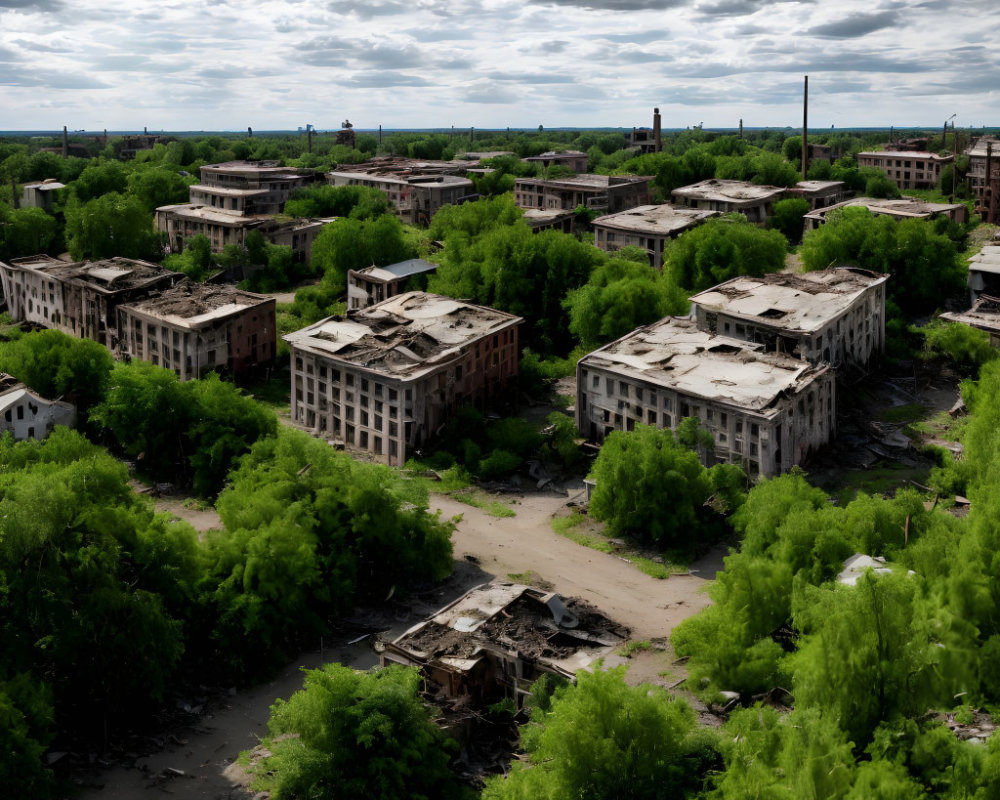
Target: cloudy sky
<point x="277" y="64"/>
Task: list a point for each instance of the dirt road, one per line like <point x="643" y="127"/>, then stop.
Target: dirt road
<point x="198" y="762"/>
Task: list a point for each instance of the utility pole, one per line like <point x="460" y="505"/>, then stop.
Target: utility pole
<point x="805" y="127"/>
<point x="472" y="135"/>
<point x="954" y="163"/>
<point x="741" y="127"/>
<point x="309" y="139"/>
<point x="15" y="200"/>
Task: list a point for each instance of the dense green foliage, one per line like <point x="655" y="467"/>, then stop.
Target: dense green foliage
<point x="350" y="243"/>
<point x="602" y="738"/>
<point x="968" y="348"/>
<point x="323" y="200"/>
<point x="787" y="217"/>
<point x="111" y="225"/>
<point x="356" y="734"/>
<point x="721" y="249"/>
<point x="26" y="231"/>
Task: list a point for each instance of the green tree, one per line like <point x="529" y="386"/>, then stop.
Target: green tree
<point x="196" y="259"/>
<point x="787" y="218"/>
<point x="97" y="180"/>
<point x="321" y="200"/>
<point x="350" y="243"/>
<point x="158" y="186"/>
<point x="111" y="225"/>
<point x="27" y="232"/>
<point x="351" y="734"/>
<point x="602" y="738"/>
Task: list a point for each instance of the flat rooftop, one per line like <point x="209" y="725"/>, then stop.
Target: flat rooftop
<point x="226" y="191"/>
<point x="903" y="154"/>
<point x="659" y="220"/>
<point x="986" y="260"/>
<point x="819" y="186"/>
<point x="803" y="302"/>
<point x="725" y="191"/>
<point x="393" y="272"/>
<point x="271" y="168"/>
<point x="901" y="207"/>
<point x="403" y="177"/>
<point x="111" y="274"/>
<point x="587" y="181"/>
<point x="984" y="314"/>
<point x="551" y="155"/>
<point x="48" y="185"/>
<point x="208" y="214"/>
<point x="536" y="217"/>
<point x="405" y="336"/>
<point x="196" y="305"/>
<point x="978" y="150"/>
<point x="673" y="353"/>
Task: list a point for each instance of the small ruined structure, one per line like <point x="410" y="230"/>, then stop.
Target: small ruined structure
<point x="129" y="146"/>
<point x="647" y="227"/>
<point x="499" y="638"/>
<point x="40" y="194"/>
<point x="752" y="201"/>
<point x="194" y="328"/>
<point x="248" y="188"/>
<point x="386" y="378"/>
<point x="375" y="284"/>
<point x="79" y="298"/>
<point x="571" y="159"/>
<point x="984" y="315"/>
<point x="647" y="140"/>
<point x="607" y="193"/>
<point x="549" y="219"/>
<point x="820" y="194"/>
<point x="834" y="315"/>
<point x="910" y="169"/>
<point x="416" y="189"/>
<point x="900" y="208"/>
<point x="984" y="273"/>
<point x="346" y="137"/>
<point x="26" y="415"/>
<point x="765" y="411"/>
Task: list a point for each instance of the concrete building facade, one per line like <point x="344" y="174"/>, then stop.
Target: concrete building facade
<point x="608" y="193"/>
<point x="984" y="177"/>
<point x="833" y="316"/>
<point x="193" y="329"/>
<point x="765" y="411"/>
<point x="647" y="227"/>
<point x="907" y="169"/>
<point x="386" y="378"/>
<point x="571" y="159"/>
<point x="249" y="188"/>
<point x="984" y="315"/>
<point x="26" y="415"/>
<point x="40" y="194"/>
<point x="726" y="196"/>
<point x="900" y="208"/>
<point x="984" y="273"/>
<point x="821" y="194"/>
<point x="416" y="198"/>
<point x="372" y="285"/>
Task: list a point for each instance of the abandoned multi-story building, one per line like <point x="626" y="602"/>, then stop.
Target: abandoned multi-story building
<point x="984" y="273"/>
<point x="79" y="298"/>
<point x="373" y="284"/>
<point x="984" y="315"/>
<point x="984" y="177"/>
<point x="40" y="194"/>
<point x="570" y="159"/>
<point x="752" y="201"/>
<point x="549" y="219"/>
<point x="900" y="208"/>
<point x="835" y="316"/>
<point x="608" y="193"/>
<point x="820" y="194"/>
<point x="193" y="329"/>
<point x="26" y="415"/>
<point x="765" y="411"/>
<point x="416" y="196"/>
<point x="648" y="227"/>
<point x="909" y="169"/>
<point x="384" y="379"/>
<point x="499" y="638"/>
<point x="249" y="188"/>
<point x="129" y="146"/>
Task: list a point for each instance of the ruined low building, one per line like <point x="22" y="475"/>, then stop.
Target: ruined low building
<point x="820" y="194"/>
<point x="81" y="298"/>
<point x="549" y="219"/>
<point x="26" y="415"/>
<point x="193" y="329"/>
<point x="984" y="273"/>
<point x="40" y="194"/>
<point x="899" y="208"/>
<point x="835" y="316"/>
<point x="386" y="378"/>
<point x="128" y="147"/>
<point x="765" y="411"/>
<point x="249" y="188"/>
<point x="607" y="193"/>
<point x="909" y="169"/>
<point x="499" y="638"/>
<point x="984" y="315"/>
<point x="646" y="227"/>
<point x="749" y="199"/>
<point x="373" y="284"/>
<point x="984" y="177"/>
<point x="415" y="194"/>
<point x="570" y="159"/>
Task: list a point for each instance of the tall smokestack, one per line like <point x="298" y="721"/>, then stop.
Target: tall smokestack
<point x="954" y="163"/>
<point x="105" y="136"/>
<point x="472" y="135"/>
<point x="805" y="127"/>
<point x="145" y="129"/>
<point x="380" y="133"/>
<point x="65" y="143"/>
<point x="16" y="200"/>
<point x="741" y="127"/>
<point x="249" y="131"/>
<point x="309" y="139"/>
<point x="657" y="136"/>
<point x="891" y="132"/>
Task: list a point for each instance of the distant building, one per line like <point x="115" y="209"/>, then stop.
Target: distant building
<point x="373" y="284"/>
<point x="984" y="177"/>
<point x="416" y="193"/>
<point x="835" y="316"/>
<point x="249" y="188"/>
<point x="479" y="155"/>
<point x="497" y="639"/>
<point x="765" y="411"/>
<point x="571" y="159"/>
<point x="128" y="147"/>
<point x="646" y="227"/>
<point x="26" y="415"/>
<point x="984" y="273"/>
<point x="821" y="194"/>
<point x="984" y="315"/>
<point x="726" y="196"/>
<point x="386" y="378"/>
<point x="608" y="193"/>
<point x="40" y="194"/>
<point x="916" y="145"/>
<point x="80" y="299"/>
<point x="647" y="140"/>
<point x="820" y="152"/>
<point x="909" y="169"/>
<point x="901" y="208"/>
<point x="194" y="328"/>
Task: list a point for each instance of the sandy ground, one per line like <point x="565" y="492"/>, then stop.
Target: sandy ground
<point x="203" y="753"/>
<point x="200" y="519"/>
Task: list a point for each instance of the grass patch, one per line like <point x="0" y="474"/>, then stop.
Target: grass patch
<point x="523" y="577"/>
<point x="940" y="426"/>
<point x="574" y="529"/>
<point x="654" y="569"/>
<point x="629" y="649"/>
<point x="275" y="393"/>
<point x="477" y="498"/>
<point x="196" y="504"/>
<point x="910" y="412"/>
<point x="567" y="526"/>
<point x="880" y="479"/>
